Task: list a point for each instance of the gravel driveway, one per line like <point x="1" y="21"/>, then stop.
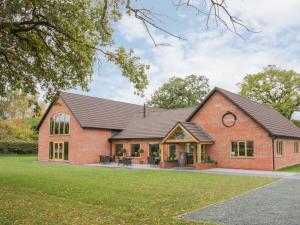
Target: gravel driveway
<point x="274" y="204"/>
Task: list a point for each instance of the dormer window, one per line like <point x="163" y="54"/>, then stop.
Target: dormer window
<point x="60" y="124"/>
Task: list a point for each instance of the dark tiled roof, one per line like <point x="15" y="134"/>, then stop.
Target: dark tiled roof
<point x="270" y="119"/>
<point x="196" y="131"/>
<point x="92" y="112"/>
<point x="154" y="125"/>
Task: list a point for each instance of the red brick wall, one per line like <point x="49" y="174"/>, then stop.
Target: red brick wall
<point x="289" y="157"/>
<point x="210" y="119"/>
<point x="144" y="144"/>
<point x="85" y="145"/>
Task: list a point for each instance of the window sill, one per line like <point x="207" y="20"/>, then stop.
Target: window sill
<point x="242" y="157"/>
<point x="55" y="135"/>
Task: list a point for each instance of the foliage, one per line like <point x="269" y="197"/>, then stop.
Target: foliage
<point x="18" y="147"/>
<point x="40" y="193"/>
<point x="52" y="45"/>
<point x="296" y="122"/>
<point x="171" y="159"/>
<point x="208" y="160"/>
<point x="141" y="151"/>
<point x="24" y="130"/>
<point x="180" y="93"/>
<point x="123" y="150"/>
<point x="19" y="105"/>
<point x="277" y="88"/>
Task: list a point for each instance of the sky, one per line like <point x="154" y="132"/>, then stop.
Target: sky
<point x="222" y="56"/>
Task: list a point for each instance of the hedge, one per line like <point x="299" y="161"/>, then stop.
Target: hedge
<point x="18" y="147"/>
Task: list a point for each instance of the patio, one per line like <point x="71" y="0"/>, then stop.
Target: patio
<point x="116" y="165"/>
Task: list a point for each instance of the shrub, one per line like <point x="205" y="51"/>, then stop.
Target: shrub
<point x="18" y="147"/>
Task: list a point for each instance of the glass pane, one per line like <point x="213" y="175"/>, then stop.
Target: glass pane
<point x="154" y="150"/>
<point x="242" y="149"/>
<point x="67" y="119"/>
<point x="51" y="125"/>
<point x="56" y="128"/>
<point x="135" y="150"/>
<point x="179" y="134"/>
<point x="250" y="148"/>
<point x="56" y="151"/>
<point x="119" y="148"/>
<point x="60" y="149"/>
<point x="234" y="149"/>
<point x="51" y="150"/>
<point x="172" y="153"/>
<point x="66" y="150"/>
<point x="61" y="124"/>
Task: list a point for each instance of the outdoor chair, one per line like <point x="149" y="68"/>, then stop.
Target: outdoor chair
<point x="105" y="159"/>
<point x="127" y="161"/>
<point x="151" y="161"/>
<point x="120" y="160"/>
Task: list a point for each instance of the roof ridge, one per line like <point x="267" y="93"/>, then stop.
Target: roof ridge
<point x="106" y="99"/>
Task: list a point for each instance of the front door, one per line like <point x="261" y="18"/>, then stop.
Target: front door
<point x="190" y="154"/>
<point x="58" y="150"/>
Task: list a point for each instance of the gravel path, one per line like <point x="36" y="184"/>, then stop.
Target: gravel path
<point x="274" y="204"/>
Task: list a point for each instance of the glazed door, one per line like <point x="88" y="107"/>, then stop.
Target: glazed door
<point x="190" y="154"/>
<point x="58" y="150"/>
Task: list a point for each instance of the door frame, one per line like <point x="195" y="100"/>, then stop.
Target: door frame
<point x="63" y="150"/>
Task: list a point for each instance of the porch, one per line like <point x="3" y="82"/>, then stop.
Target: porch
<point x="186" y="145"/>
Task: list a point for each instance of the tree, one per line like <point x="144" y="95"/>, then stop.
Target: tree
<point x="180" y="93"/>
<point x="277" y="88"/>
<point x="52" y="44"/>
<point x="19" y="105"/>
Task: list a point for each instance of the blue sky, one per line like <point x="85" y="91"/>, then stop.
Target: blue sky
<point x="216" y="53"/>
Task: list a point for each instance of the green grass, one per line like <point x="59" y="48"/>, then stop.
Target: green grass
<point x="42" y="193"/>
<point x="295" y="168"/>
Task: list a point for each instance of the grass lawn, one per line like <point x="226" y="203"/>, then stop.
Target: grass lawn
<point x="295" y="168"/>
<point x="43" y="193"/>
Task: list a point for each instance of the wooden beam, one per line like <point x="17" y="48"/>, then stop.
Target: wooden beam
<point x="199" y="153"/>
<point x="161" y="146"/>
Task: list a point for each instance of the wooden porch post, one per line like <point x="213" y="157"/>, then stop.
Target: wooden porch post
<point x="199" y="152"/>
<point x="161" y="146"/>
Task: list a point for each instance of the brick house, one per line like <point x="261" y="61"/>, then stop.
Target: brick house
<point x="225" y="130"/>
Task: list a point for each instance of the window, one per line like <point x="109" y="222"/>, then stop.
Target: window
<point x="179" y="134"/>
<point x="59" y="124"/>
<point x="279" y="150"/>
<point x="296" y="147"/>
<point x="50" y="150"/>
<point x="135" y="150"/>
<point x="119" y="149"/>
<point x="59" y="150"/>
<point x="153" y="150"/>
<point x="172" y="151"/>
<point x="242" y="149"/>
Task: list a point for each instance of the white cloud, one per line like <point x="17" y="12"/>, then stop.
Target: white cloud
<point x="222" y="56"/>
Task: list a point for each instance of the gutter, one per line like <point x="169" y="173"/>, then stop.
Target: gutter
<point x="273" y="151"/>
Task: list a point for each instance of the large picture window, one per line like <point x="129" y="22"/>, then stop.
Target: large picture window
<point x="59" y="150"/>
<point x="135" y="150"/>
<point x="153" y="150"/>
<point x="60" y="124"/>
<point x="242" y="149"/>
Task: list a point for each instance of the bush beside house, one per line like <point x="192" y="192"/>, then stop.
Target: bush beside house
<point x="18" y="147"/>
